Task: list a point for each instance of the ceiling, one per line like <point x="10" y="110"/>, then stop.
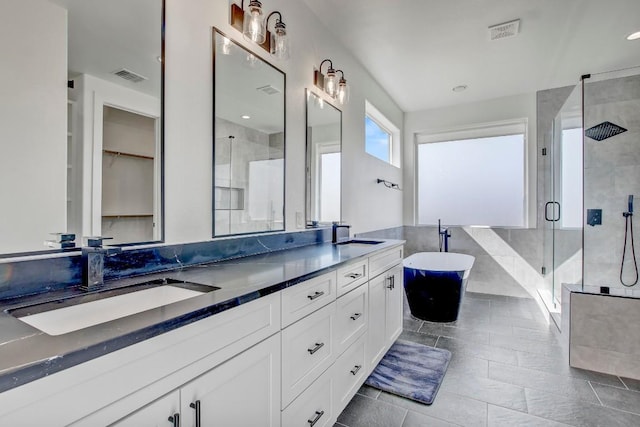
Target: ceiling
<point x="418" y="50"/>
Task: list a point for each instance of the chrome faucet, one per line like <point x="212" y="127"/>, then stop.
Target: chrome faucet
<point x="443" y="237"/>
<point x="339" y="233"/>
<point x="93" y="262"/>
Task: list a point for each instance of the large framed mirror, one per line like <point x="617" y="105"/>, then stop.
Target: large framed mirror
<point x="249" y="141"/>
<point x="323" y="177"/>
<point x="80" y="121"/>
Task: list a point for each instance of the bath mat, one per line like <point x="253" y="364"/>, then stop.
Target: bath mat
<point x="411" y="370"/>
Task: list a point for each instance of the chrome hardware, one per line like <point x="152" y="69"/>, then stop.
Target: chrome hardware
<point x="316" y="348"/>
<point x="354" y="275"/>
<point x="315" y="295"/>
<point x="356" y="316"/>
<point x="356" y="369"/>
<point x="196" y="406"/>
<point x="175" y="420"/>
<point x="392" y="281"/>
<point x="318" y="415"/>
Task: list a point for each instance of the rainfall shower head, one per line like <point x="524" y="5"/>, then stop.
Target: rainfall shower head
<point x="603" y="131"/>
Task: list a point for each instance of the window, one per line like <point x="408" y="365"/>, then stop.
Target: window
<point x="381" y="136"/>
<point x="473" y="177"/>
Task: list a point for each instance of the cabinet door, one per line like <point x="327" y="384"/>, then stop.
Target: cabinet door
<point x="156" y="414"/>
<point x="377" y="319"/>
<point x="394" y="289"/>
<point x="244" y="391"/>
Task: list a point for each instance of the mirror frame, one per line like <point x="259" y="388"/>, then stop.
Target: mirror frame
<point x="216" y="30"/>
<point x="79" y="239"/>
<point x="307" y="186"/>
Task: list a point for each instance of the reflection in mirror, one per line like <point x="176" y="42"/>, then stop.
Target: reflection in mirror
<point x="324" y="145"/>
<point x="249" y="141"/>
<point x="71" y="165"/>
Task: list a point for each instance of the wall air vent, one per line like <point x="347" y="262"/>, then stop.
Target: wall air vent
<point x="269" y="90"/>
<point x="129" y="75"/>
<point x="505" y="30"/>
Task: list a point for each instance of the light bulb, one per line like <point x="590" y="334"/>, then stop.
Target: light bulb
<point x="280" y="42"/>
<point x="253" y="27"/>
<point x="343" y="92"/>
<point x="330" y="83"/>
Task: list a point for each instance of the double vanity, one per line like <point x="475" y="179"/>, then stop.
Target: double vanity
<point x="280" y="338"/>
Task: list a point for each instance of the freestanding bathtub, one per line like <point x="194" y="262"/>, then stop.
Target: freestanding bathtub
<point x="435" y="282"/>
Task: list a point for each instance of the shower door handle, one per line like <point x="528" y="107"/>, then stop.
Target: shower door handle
<point x="546" y="211"/>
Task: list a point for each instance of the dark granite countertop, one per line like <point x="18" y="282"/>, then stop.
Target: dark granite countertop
<point x="27" y="354"/>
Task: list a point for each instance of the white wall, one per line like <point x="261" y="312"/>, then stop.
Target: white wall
<point x="188" y="120"/>
<point x="455" y="117"/>
<point x="33" y="125"/>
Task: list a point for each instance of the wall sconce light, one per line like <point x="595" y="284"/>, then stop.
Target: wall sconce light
<point x="255" y="28"/>
<point x="335" y="88"/>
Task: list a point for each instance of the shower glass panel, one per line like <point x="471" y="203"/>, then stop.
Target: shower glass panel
<point x="611" y="175"/>
<point x="562" y="210"/>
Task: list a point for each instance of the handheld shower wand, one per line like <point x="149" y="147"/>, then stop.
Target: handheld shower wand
<point x="628" y="230"/>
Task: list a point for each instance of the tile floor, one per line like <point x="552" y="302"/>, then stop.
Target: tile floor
<point x="508" y="369"/>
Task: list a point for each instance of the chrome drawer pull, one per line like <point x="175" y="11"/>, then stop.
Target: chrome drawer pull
<point x="313" y="422"/>
<point x="356" y="369"/>
<point x="316" y="295"/>
<point x="318" y="346"/>
<point x="354" y="275"/>
<point x="356" y="316"/>
<point x="175" y="420"/>
<point x="391" y="284"/>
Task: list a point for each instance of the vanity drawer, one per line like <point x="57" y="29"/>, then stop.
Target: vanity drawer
<point x="314" y="407"/>
<point x="305" y="298"/>
<point x="351" y="276"/>
<point x="379" y="263"/>
<point x="348" y="374"/>
<point x="307" y="351"/>
<point x="351" y="318"/>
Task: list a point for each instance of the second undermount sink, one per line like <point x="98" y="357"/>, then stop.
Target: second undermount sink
<point x="78" y="312"/>
<point x="357" y="242"/>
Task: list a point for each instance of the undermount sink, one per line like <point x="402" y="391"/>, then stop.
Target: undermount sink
<point x="360" y="242"/>
<point x="81" y="311"/>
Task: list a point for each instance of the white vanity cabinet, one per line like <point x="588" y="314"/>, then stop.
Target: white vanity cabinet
<point x="385" y="304"/>
<point x="164" y="412"/>
<point x="295" y="357"/>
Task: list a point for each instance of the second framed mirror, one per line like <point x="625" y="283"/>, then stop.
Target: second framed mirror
<point x="323" y="168"/>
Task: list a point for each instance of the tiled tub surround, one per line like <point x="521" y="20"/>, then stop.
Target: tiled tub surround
<point x="604" y="334"/>
<point x="27" y="354"/>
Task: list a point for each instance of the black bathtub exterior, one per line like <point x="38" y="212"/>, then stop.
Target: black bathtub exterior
<point x="434" y="295"/>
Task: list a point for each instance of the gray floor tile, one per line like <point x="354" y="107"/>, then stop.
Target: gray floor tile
<point x="486" y="390"/>
<point x="419" y="338"/>
<point x="411" y="324"/>
<point x="572" y="412"/>
<point x="498" y="319"/>
<point x="526" y="345"/>
<point x="449" y="407"/>
<point x="445" y="330"/>
<point x="365" y="412"/>
<point x="368" y="391"/>
<point x="503" y="417"/>
<point x="482" y="351"/>
<point x="631" y="383"/>
<point x="544" y="381"/>
<point x="618" y="398"/>
<point x="546" y="336"/>
<point x="463" y="364"/>
<point x="414" y="419"/>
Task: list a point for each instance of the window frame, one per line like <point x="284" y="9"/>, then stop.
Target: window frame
<point x="387" y="126"/>
<point x="516" y="126"/>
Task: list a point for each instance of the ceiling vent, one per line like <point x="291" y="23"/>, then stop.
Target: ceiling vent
<point x="129" y="75"/>
<point x="505" y="30"/>
<point x="268" y="89"/>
